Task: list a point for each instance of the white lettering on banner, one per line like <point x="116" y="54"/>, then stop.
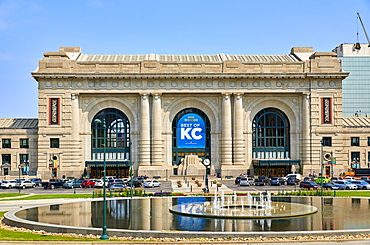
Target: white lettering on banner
<point x="196" y="137"/>
<point x="185" y="133"/>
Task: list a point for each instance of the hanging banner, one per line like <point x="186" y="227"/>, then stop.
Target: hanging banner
<point x="191" y="132"/>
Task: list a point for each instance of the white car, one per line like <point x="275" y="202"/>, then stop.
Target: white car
<point x="26" y="184"/>
<point x="152" y="183"/>
<point x="8" y="184"/>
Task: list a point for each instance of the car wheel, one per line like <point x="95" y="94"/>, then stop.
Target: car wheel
<point x="33" y="186"/>
<point x="364" y="188"/>
<point x="347" y="188"/>
<point x="24" y="187"/>
<point x="52" y="187"/>
<point x="45" y="187"/>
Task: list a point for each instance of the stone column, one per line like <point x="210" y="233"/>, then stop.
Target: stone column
<point x="226" y="141"/>
<point x="306" y="119"/>
<point x="157" y="140"/>
<point x="238" y="130"/>
<point x="144" y="132"/>
<point x="75" y="134"/>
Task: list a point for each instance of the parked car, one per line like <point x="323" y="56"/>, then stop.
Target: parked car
<point x="336" y="178"/>
<point x="322" y="179"/>
<point x="330" y="186"/>
<point x="88" y="183"/>
<point x="237" y="180"/>
<point x="340" y="186"/>
<point x="8" y="184"/>
<point x="309" y="185"/>
<point x="244" y="182"/>
<point x="277" y="181"/>
<point x="349" y="178"/>
<point x="364" y="178"/>
<point x="25" y="184"/>
<point x="135" y="183"/>
<point x="292" y="181"/>
<point x="100" y="183"/>
<point x="361" y="185"/>
<point x="261" y="180"/>
<point x="117" y="187"/>
<point x="152" y="183"/>
<point x="72" y="184"/>
<point x="297" y="176"/>
<point x="349" y="185"/>
<point x="37" y="181"/>
<point x="309" y="179"/>
<point x="52" y="183"/>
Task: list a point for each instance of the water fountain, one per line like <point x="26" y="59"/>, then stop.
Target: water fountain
<point x="243" y="207"/>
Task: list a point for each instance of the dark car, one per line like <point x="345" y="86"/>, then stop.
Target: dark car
<point x="309" y="185"/>
<point x="292" y="181"/>
<point x="135" y="183"/>
<point x="277" y="181"/>
<point x="330" y="186"/>
<point x="309" y="179"/>
<point x="261" y="180"/>
<point x="237" y="180"/>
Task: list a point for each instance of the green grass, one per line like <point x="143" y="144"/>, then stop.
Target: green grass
<point x="4" y="195"/>
<point x="353" y="193"/>
<point x="7" y="235"/>
<point x="50" y="196"/>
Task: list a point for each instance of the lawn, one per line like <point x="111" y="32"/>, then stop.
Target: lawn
<point x="8" y="235"/>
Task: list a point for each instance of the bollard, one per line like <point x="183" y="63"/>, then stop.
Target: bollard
<point x="191" y="188"/>
<point x="93" y="195"/>
<point x="161" y="193"/>
<point x="74" y="190"/>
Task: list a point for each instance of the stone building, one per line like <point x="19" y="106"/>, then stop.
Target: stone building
<point x="165" y="114"/>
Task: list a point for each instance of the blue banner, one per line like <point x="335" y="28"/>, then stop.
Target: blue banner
<point x="191" y="132"/>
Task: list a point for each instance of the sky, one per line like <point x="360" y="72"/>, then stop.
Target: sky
<point x="29" y="28"/>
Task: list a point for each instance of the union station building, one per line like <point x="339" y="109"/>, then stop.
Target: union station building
<point x="165" y="115"/>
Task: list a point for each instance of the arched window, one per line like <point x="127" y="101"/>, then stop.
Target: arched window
<point x="179" y="150"/>
<point x="117" y="135"/>
<point x="271" y="135"/>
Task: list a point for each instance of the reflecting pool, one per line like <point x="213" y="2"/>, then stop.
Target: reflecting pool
<point x="154" y="214"/>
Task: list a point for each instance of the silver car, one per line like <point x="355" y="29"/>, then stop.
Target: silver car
<point x="244" y="182"/>
<point x="25" y="184"/>
<point x="349" y="185"/>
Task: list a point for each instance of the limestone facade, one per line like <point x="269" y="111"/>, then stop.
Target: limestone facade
<point x="230" y="91"/>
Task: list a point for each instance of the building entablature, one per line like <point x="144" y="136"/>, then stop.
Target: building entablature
<point x="72" y="62"/>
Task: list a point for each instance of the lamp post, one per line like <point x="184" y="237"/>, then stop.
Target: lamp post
<point x="131" y="180"/>
<point x="19" y="177"/>
<point x="206" y="163"/>
<point x="104" y="236"/>
<point x="322" y="163"/>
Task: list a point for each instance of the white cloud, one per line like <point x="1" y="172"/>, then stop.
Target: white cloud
<point x="96" y="3"/>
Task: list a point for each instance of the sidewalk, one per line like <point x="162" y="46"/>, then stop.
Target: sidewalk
<point x="189" y="186"/>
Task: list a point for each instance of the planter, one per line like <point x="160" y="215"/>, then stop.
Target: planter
<point x="214" y="182"/>
<point x="193" y="178"/>
<point x="199" y="184"/>
<point x="219" y="184"/>
<point x="179" y="185"/>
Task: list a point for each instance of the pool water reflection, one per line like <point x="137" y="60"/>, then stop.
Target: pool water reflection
<point x="154" y="214"/>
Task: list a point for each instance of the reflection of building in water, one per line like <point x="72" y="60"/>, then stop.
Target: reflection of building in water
<point x="76" y="214"/>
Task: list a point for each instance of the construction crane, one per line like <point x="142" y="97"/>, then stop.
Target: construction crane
<point x="363" y="27"/>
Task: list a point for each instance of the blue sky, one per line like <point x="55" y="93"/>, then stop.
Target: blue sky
<point x="30" y="28"/>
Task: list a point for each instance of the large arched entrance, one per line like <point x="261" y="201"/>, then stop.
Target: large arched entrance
<point x="271" y="143"/>
<point x="117" y="156"/>
<point x="190" y="135"/>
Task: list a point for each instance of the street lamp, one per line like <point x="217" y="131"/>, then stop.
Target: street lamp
<point x="322" y="163"/>
<point x="104" y="236"/>
<point x="20" y="166"/>
<point x="131" y="180"/>
<point x="206" y="163"/>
